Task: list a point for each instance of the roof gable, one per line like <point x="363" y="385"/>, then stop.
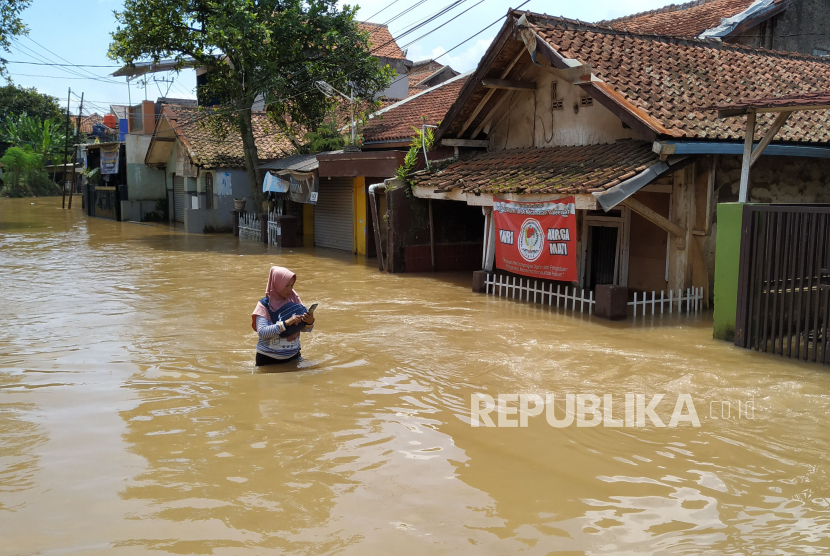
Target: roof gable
<point x="381" y="42"/>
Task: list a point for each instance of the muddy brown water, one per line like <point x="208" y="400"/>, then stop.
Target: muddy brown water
<point x="133" y="420"/>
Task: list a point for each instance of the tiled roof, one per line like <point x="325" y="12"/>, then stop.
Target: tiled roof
<point x="210" y="151"/>
<point x="88" y="121"/>
<point x="423" y="69"/>
<point x="684" y="20"/>
<point x="395" y="122"/>
<point x="672" y="82"/>
<point x="381" y="41"/>
<point x="583" y="169"/>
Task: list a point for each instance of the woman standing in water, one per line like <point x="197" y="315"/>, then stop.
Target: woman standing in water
<point x="279" y="318"/>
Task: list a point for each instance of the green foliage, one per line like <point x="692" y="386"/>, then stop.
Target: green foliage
<point x="46" y="138"/>
<point x="326" y="138"/>
<point x="274" y="48"/>
<point x="11" y="25"/>
<point x="23" y="174"/>
<point x="16" y="101"/>
<point x="422" y="139"/>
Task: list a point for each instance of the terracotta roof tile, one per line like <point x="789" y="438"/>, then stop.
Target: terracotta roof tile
<point x="381" y="41"/>
<point x="677" y="81"/>
<point x="583" y="169"/>
<point x="88" y="121"/>
<point x="210" y="151"/>
<point x="430" y="106"/>
<point x="684" y="20"/>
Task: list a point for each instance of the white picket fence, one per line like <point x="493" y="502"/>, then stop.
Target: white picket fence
<point x="578" y="299"/>
<point x="692" y="301"/>
<point x="274" y="230"/>
<point x="249" y="226"/>
<point x="511" y="287"/>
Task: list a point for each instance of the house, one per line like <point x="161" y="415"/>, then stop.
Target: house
<point x="201" y="172"/>
<point x="620" y="129"/>
<point x="387" y="51"/>
<point x="788" y="25"/>
<point x="346" y="196"/>
<point x="426" y="74"/>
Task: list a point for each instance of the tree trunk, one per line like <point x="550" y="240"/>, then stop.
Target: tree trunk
<point x="255" y="177"/>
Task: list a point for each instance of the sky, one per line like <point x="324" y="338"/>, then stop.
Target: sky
<point x="78" y="31"/>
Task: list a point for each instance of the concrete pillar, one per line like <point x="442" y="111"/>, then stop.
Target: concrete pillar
<point x="611" y="302"/>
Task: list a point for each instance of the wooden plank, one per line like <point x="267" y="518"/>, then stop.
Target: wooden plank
<point x="766" y="269"/>
<point x="490" y="114"/>
<point x="745" y="162"/>
<point x="489" y="95"/>
<point x="465" y="143"/>
<point x="654" y="217"/>
<point x="817" y="285"/>
<point x="491" y="83"/>
<point x="754" y="264"/>
<point x="776" y="125"/>
<point x="802" y="252"/>
<point x="496" y="47"/>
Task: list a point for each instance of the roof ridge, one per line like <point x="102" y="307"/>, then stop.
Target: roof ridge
<point x="665" y="9"/>
<point x="372" y="24"/>
<point x="714" y="43"/>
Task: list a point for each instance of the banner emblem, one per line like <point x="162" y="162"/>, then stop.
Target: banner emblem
<point x="532" y="240"/>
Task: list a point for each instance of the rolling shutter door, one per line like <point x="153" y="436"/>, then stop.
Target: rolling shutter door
<point x="334" y="215"/>
<point x="178" y="198"/>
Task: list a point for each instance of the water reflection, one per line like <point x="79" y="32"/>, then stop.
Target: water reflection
<point x="142" y="423"/>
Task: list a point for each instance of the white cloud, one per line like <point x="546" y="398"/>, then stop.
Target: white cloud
<point x="459" y="60"/>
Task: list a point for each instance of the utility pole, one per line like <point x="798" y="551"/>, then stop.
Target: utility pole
<point x="65" y="150"/>
<point x="75" y="150"/>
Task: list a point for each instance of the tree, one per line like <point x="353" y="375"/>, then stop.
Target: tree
<point x="274" y="48"/>
<point x="46" y="138"/>
<point x="11" y="25"/>
<point x="16" y="100"/>
<point x="23" y="174"/>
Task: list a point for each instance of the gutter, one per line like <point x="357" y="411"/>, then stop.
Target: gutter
<point x="679" y="147"/>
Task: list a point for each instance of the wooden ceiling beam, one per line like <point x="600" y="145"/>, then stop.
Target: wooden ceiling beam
<point x="507" y="84"/>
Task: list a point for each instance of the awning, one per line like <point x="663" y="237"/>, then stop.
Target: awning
<point x="554" y="170"/>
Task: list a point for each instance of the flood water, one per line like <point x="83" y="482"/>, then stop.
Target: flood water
<point x="132" y="418"/>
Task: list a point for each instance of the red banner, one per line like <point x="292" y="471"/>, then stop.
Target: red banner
<point x="536" y="239"/>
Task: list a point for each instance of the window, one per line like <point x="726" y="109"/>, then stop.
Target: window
<point x="586" y="101"/>
<point x="555" y="101"/>
<point x="209" y="190"/>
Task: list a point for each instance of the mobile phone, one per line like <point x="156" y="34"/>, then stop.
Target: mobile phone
<point x="311" y="309"/>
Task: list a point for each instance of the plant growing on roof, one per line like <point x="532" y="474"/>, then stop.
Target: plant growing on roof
<point x="274" y="49"/>
<point x="423" y="139"/>
<point x="326" y="138"/>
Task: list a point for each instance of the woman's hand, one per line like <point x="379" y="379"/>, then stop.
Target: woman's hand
<point x="296" y="319"/>
<point x="308" y="318"/>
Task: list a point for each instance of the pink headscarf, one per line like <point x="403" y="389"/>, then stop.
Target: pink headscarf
<point x="278" y="279"/>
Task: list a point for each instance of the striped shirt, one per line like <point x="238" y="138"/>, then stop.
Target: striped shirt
<point x="271" y="344"/>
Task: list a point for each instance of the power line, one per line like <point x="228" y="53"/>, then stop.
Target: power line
<point x="64" y="59"/>
<point x="55" y="64"/>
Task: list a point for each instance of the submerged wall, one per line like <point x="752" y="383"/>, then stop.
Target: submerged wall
<point x="143" y="183"/>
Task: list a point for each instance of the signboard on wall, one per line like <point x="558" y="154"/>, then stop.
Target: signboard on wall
<point x="304" y="190"/>
<point x="109" y="159"/>
<point x="224" y="182"/>
<point x="536" y="239"/>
